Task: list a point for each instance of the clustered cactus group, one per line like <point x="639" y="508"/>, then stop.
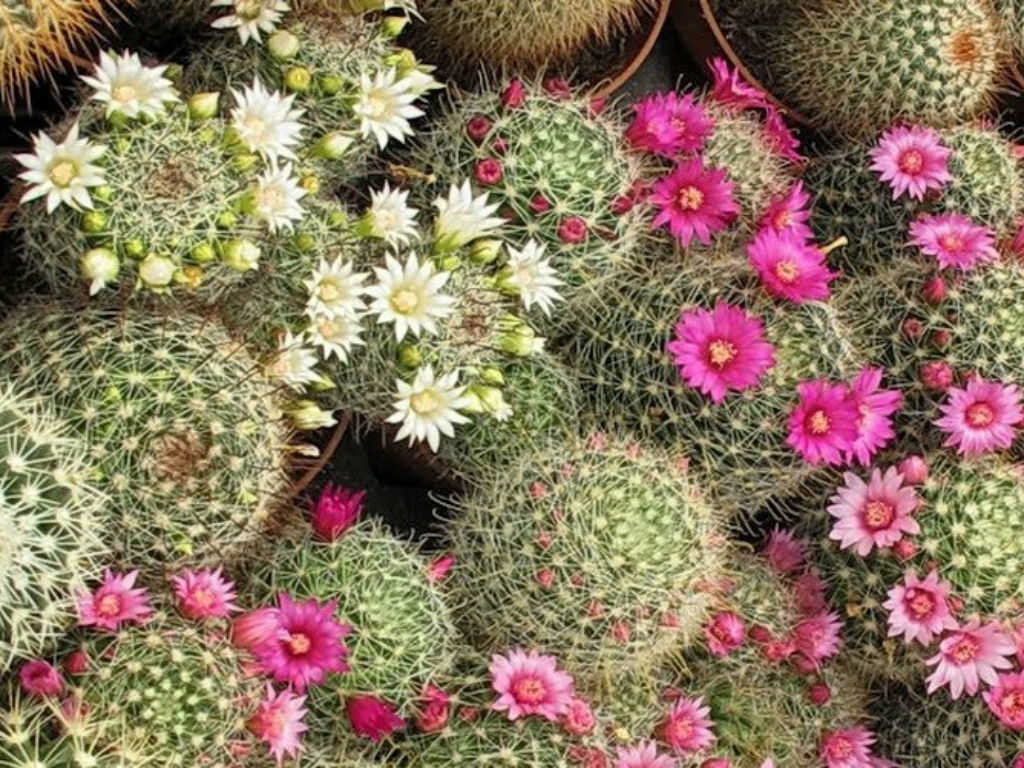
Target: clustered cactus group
<point x="721" y="431"/>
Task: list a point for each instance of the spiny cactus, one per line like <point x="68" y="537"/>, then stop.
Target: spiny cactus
<point x="183" y="429"/>
<point x="523" y="35"/>
<point x="51" y="539"/>
<point x="855" y="67"/>
<point x="402" y="635"/>
<point x="593" y="552"/>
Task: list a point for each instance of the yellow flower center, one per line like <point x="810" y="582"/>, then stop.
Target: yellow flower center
<point x="109" y="605"/>
<point x="329" y="291"/>
<point x="248" y="9"/>
<point x="819" y="423"/>
<point x="125" y="93"/>
<point x="405" y="301"/>
<point x="299" y="643"/>
<point x="878" y="514"/>
<point x="63" y="173"/>
<point x="980" y="415"/>
<point x="271" y="197"/>
<point x="721" y="353"/>
<point x="787" y="271"/>
<point x="424" y="402"/>
<point x="254" y="125"/>
<point x="530" y="690"/>
<point x="690" y="198"/>
<point x="376" y="106"/>
<point x="911" y="161"/>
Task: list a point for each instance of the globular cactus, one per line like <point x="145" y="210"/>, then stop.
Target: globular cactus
<point x="1011" y="14"/>
<point x="184" y="431"/>
<point x="595" y="551"/>
<point x="402" y="637"/>
<point x="522" y="35"/>
<point x="855" y="67"/>
<point x="51" y="530"/>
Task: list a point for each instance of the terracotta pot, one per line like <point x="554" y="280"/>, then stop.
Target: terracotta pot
<point x="638" y="49"/>
<point x="310" y="468"/>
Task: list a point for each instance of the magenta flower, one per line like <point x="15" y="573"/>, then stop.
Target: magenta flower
<point x="721" y="350"/>
<point x="311" y="646"/>
<point x="847" y="748"/>
<point x="790" y="267"/>
<point x="255" y="628"/>
<point x="730" y="88"/>
<point x="1006" y="700"/>
<point x="912" y="160"/>
<point x="440" y="567"/>
<point x="823" y="426"/>
<point x="919" y="608"/>
<point x="809" y="591"/>
<point x="876" y="408"/>
<point x="954" y="240"/>
<point x="694" y="201"/>
<point x="579" y="719"/>
<point x="530" y="684"/>
<point x="981" y="418"/>
<point x="876" y="514"/>
<point x="687" y="729"/>
<point x="204" y="594"/>
<point x="789" y="213"/>
<point x="780" y="137"/>
<point x="970" y="655"/>
<point x="434" y="710"/>
<point x="337" y="510"/>
<point x="642" y="756"/>
<point x="783" y="552"/>
<point x="40" y="678"/>
<point x="372" y="718"/>
<point x="817" y="637"/>
<point x="666" y="124"/>
<point x="114" y="602"/>
<point x="279" y="722"/>
<point x="724" y="633"/>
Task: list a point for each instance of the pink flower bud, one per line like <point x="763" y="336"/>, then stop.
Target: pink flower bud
<point x="905" y="549"/>
<point x="514" y="95"/>
<point x="255" y="628"/>
<point x="545" y="578"/>
<point x="941" y="338"/>
<point x="716" y="762"/>
<point x="579" y="718"/>
<point x="1018" y="761"/>
<point x="337" y="510"/>
<point x="588" y="757"/>
<point x="778" y="650"/>
<point x="558" y="87"/>
<point x="573" y="230"/>
<point x="936" y="376"/>
<point x="803" y="665"/>
<point x="440" y="567"/>
<point x="623" y="204"/>
<point x="488" y="171"/>
<point x="77" y="662"/>
<point x="500" y="145"/>
<point x="372" y="718"/>
<point x="544" y="539"/>
<point x="912" y="328"/>
<point x="621" y="632"/>
<point x="595" y="609"/>
<point x="819" y="694"/>
<point x="724" y="633"/>
<point x="538" y="490"/>
<point x="540" y="204"/>
<point x="597" y="105"/>
<point x="761" y="634"/>
<point x="577" y="579"/>
<point x="670" y="620"/>
<point x="40" y="678"/>
<point x="934" y="291"/>
<point x="914" y="469"/>
<point x="477" y="128"/>
<point x="434" y="711"/>
<point x="469" y="714"/>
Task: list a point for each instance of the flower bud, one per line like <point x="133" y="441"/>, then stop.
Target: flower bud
<point x="134" y="248"/>
<point x="330" y="85"/>
<point x="573" y="230"/>
<point x="157" y="271"/>
<point x="94" y="221"/>
<point x="488" y="171"/>
<point x="241" y="254"/>
<point x="492" y="375"/>
<point x="100" y="266"/>
<point x="934" y="291"/>
<point x="450" y="263"/>
<point x="716" y="762"/>
<point x="514" y="95"/>
<point x="307" y="415"/>
<point x="403" y="60"/>
<point x="298" y="79"/>
<point x="204" y="253"/>
<point x="227" y="220"/>
<point x="819" y="694"/>
<point x="333" y="145"/>
<point x="914" y="470"/>
<point x="937" y="376"/>
<point x="484" y="251"/>
<point x="244" y="161"/>
<point x="203" y="106"/>
<point x="283" y="44"/>
<point x="304" y="242"/>
<point x="191" y="276"/>
<point x="912" y="328"/>
<point x="310" y="183"/>
<point x="477" y="128"/>
<point x="941" y="338"/>
<point x="493" y="401"/>
<point x="103" y="193"/>
<point x="392" y="26"/>
<point x="409" y="356"/>
<point x="905" y="549"/>
<point x="256" y="628"/>
<point x="77" y="663"/>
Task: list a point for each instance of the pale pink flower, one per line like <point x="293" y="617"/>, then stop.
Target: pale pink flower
<point x="981" y="418"/>
<point x="114" y="602"/>
<point x="919" y="608"/>
<point x="579" y="718"/>
<point x="687" y="728"/>
<point x="372" y="717"/>
<point x="847" y="748"/>
<point x="1006" y="700"/>
<point x="873" y="514"/>
<point x="204" y="594"/>
<point x="434" y="710"/>
<point x="954" y="240"/>
<point x="876" y="408"/>
<point x="784" y="552"/>
<point x="694" y="201"/>
<point x="336" y="510"/>
<point x="530" y="684"/>
<point x="724" y="633"/>
<point x="39" y="678"/>
<point x="823" y="425"/>
<point x="789" y="212"/>
<point x="912" y="160"/>
<point x="971" y="655"/>
<point x="642" y="756"/>
<point x="817" y="637"/>
<point x="790" y="267"/>
<point x="666" y="124"/>
<point x="279" y="722"/>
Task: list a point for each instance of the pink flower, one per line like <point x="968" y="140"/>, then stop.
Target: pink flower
<point x="579" y="718"/>
<point x="912" y="160"/>
<point x="725" y="633"/>
<point x="809" y="591"/>
<point x="823" y="426"/>
<point x="687" y="729"/>
<point x="789" y="213"/>
<point x="114" y="602"/>
<point x="477" y="128"/>
<point x="666" y="124"/>
<point x="780" y="137"/>
<point x="954" y="240"/>
<point x="784" y="552"/>
<point x="39" y="678"/>
<point x="311" y="646"/>
<point x="372" y="718"/>
<point x="729" y="87"/>
<point x="919" y="608"/>
<point x="694" y="201"/>
<point x="488" y="171"/>
<point x="817" y="637"/>
<point x="790" y="267"/>
<point x="337" y="510"/>
<point x="721" y="350"/>
<point x="876" y="514"/>
<point x="440" y="567"/>
<point x="434" y="711"/>
<point x="530" y="684"/>
<point x="876" y="407"/>
<point x="914" y="470"/>
<point x="204" y="594"/>
<point x="970" y="655"/>
<point x="514" y="95"/>
<point x="573" y="230"/>
<point x="1006" y="700"/>
<point x="255" y="628"/>
<point x="981" y="418"/>
<point x="642" y="756"/>
<point x="278" y="721"/>
<point x="847" y="748"/>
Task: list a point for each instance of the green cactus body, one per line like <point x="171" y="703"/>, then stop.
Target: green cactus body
<point x="177" y="690"/>
<point x="1011" y="13"/>
<point x="594" y="553"/>
<point x="184" y="432"/>
<point x="402" y="633"/>
<point x="739" y="445"/>
<point x="855" y="67"/>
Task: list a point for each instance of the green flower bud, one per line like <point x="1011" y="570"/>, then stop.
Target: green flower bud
<point x="94" y="221"/>
<point x="204" y="253"/>
<point x="450" y="263"/>
<point x="310" y="183"/>
<point x="103" y="193"/>
<point x="403" y="60"/>
<point x="333" y="145"/>
<point x="100" y="266"/>
<point x="493" y="401"/>
<point x="491" y="375"/>
<point x="409" y="356"/>
<point x="135" y="248"/>
<point x="307" y="415"/>
<point x="203" y="106"/>
<point x="122" y="145"/>
<point x="322" y="384"/>
<point x="283" y="44"/>
<point x="305" y="242"/>
<point x="298" y="79"/>
<point x="174" y="72"/>
<point x="393" y="26"/>
<point x="485" y="250"/>
<point x="117" y="119"/>
<point x="157" y="271"/>
<point x="227" y="220"/>
<point x="244" y="161"/>
<point x="330" y="85"/>
<point x="241" y="254"/>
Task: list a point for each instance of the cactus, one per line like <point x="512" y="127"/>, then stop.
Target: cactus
<point x="1011" y="14"/>
<point x="602" y="552"/>
<point x="854" y="68"/>
<point x="523" y="35"/>
<point x="183" y="429"/>
<point x="402" y="633"/>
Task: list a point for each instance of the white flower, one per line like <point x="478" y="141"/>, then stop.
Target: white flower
<point x="532" y="277"/>
<point x="335" y="289"/>
<point x="336" y="335"/>
<point x="461" y="219"/>
<point x="293" y="364"/>
<point x="99" y="266"/>
<point x="409" y="296"/>
<point x="385" y="107"/>
<point x="427" y="409"/>
<point x="130" y="88"/>
<point x="265" y="122"/>
<point x="276" y="198"/>
<point x="250" y="16"/>
<point x="420" y="81"/>
<point x="390" y="217"/>
<point x="63" y="172"/>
